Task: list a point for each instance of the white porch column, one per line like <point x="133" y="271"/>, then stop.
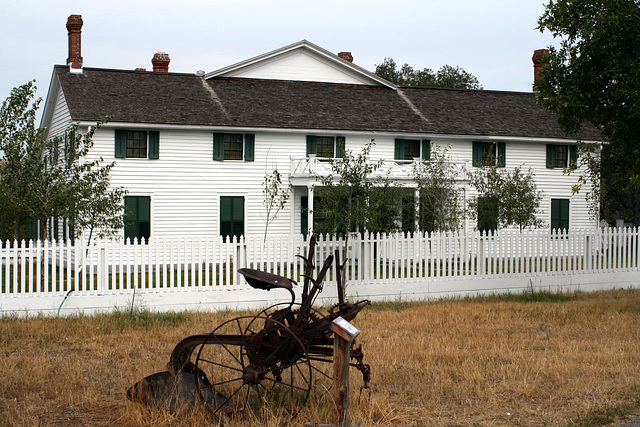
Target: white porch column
<point x="417" y="206"/>
<point x="310" y="208"/>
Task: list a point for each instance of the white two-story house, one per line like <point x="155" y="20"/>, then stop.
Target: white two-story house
<point x="193" y="149"/>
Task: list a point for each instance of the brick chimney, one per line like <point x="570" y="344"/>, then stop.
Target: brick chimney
<point x="160" y="62"/>
<point x="539" y="61"/>
<point x="346" y="56"/>
<point x="74" y="27"/>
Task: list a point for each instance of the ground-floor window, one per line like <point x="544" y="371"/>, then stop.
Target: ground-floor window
<point x="392" y="210"/>
<point x="559" y="214"/>
<point x="231" y="216"/>
<point x="487" y="214"/>
<point x="137" y="219"/>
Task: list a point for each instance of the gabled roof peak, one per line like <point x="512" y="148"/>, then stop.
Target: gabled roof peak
<point x="314" y="64"/>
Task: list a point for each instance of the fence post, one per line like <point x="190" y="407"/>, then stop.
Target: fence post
<point x="102" y="270"/>
<point x="345" y="334"/>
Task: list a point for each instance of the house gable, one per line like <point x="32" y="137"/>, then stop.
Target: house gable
<point x="302" y="61"/>
<point x="56" y="116"/>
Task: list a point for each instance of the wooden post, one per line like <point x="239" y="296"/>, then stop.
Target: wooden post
<point x="345" y="334"/>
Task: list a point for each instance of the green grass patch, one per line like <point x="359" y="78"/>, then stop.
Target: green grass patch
<point x="138" y="318"/>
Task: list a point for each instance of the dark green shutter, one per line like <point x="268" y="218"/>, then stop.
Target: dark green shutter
<point x="559" y="214"/>
<point x="225" y="209"/>
<point x="154" y="144"/>
<point x="551" y="156"/>
<point x="130" y="217"/>
<point x="340" y="146"/>
<point x="502" y="154"/>
<point x="426" y="149"/>
<point x="564" y="214"/>
<point x="487" y="214"/>
<point x="238" y="216"/>
<point x="312" y="145"/>
<point x="573" y="156"/>
<point x="231" y="216"/>
<point x="398" y="152"/>
<point x="121" y="143"/>
<point x="249" y="146"/>
<point x="137" y="221"/>
<point x="477" y="153"/>
<point x="218" y="146"/>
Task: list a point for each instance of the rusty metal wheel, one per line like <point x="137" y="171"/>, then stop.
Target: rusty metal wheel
<point x="321" y="364"/>
<point x="254" y="364"/>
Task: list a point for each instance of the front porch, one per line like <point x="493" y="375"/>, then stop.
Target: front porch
<point x="308" y="172"/>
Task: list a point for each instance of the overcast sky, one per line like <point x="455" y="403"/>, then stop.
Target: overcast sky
<point x="492" y="39"/>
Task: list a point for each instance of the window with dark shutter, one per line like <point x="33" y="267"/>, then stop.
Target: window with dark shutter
<point x="409" y="149"/>
<point x="487" y="153"/>
<point x="487" y="214"/>
<point x="137" y="217"/>
<point x="137" y="144"/>
<point x="234" y="146"/>
<point x="231" y="216"/>
<point x="559" y="214"/>
<point x="562" y="156"/>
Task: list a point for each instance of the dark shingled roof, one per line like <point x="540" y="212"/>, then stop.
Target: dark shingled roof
<point x="186" y="99"/>
<point x="494" y="113"/>
<point x="138" y="97"/>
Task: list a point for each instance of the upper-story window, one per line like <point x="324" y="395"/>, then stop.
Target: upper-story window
<point x="137" y="144"/>
<point x="487" y="153"/>
<point x="326" y="147"/>
<point x="233" y="146"/>
<point x="562" y="156"/>
<point x="409" y="149"/>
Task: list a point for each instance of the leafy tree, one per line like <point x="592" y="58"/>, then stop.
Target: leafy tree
<point x="447" y="76"/>
<point x="439" y="208"/>
<point x="42" y="179"/>
<point x="505" y="199"/>
<point x="590" y="161"/>
<point x="351" y="198"/>
<point x="594" y="76"/>
<point x="276" y="195"/>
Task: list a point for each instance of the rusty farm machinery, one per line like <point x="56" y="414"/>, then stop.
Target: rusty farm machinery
<point x="273" y="359"/>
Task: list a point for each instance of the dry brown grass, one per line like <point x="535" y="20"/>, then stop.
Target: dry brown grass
<point x="449" y="363"/>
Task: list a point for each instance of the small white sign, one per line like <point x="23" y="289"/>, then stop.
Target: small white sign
<point x="351" y="330"/>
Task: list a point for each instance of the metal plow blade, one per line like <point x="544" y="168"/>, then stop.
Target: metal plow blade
<point x="173" y="391"/>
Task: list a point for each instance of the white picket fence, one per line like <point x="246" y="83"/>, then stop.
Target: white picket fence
<point x="393" y="265"/>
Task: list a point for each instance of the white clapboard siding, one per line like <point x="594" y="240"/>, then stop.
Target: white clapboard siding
<point x="60" y="117"/>
<point x="185" y="183"/>
<point x="300" y="65"/>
